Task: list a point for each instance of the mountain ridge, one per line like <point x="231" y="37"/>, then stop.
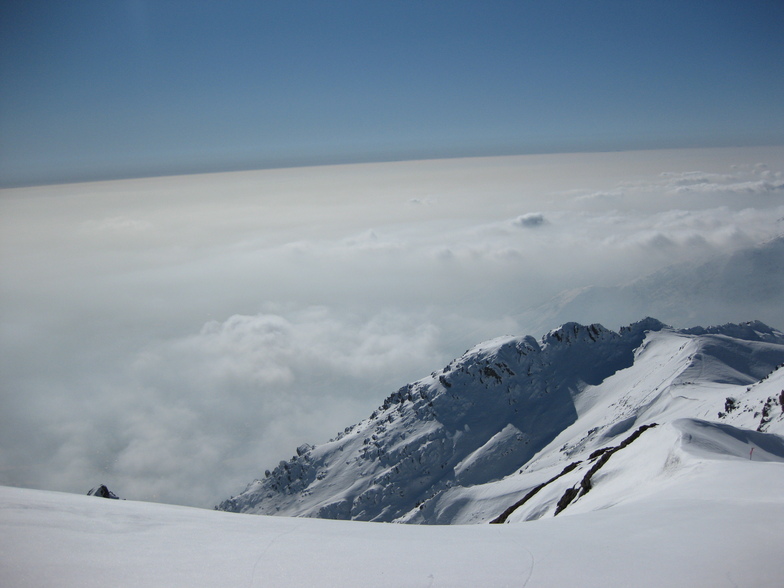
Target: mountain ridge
<point x="505" y="413"/>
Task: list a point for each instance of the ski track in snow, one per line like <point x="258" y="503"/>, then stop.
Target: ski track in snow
<point x="264" y="552"/>
<point x="530" y="567"/>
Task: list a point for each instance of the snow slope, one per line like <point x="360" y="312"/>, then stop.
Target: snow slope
<point x="463" y="444"/>
<point x="713" y="522"/>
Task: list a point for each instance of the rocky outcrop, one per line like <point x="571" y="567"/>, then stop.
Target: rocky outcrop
<point x="103" y="492"/>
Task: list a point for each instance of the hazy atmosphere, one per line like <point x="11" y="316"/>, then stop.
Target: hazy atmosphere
<point x="174" y="336"/>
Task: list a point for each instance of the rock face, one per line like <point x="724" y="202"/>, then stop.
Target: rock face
<point x="103" y="492"/>
<point x="488" y="418"/>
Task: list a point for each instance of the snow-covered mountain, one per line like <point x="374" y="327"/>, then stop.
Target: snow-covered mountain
<point x="518" y="429"/>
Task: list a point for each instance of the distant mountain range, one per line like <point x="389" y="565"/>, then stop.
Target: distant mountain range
<point x="726" y="285"/>
<point x="518" y="429"/>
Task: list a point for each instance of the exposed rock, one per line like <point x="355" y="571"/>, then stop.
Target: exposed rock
<point x="103" y="492"/>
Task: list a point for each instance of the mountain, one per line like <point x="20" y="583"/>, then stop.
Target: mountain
<point x="726" y="285"/>
<point x="518" y="429"/>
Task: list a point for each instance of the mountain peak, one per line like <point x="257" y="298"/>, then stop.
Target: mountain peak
<point x="486" y="415"/>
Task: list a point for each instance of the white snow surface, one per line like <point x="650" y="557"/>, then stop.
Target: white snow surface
<point x="709" y="517"/>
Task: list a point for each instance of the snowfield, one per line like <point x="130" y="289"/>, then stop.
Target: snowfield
<point x="716" y="523"/>
<point x="649" y="457"/>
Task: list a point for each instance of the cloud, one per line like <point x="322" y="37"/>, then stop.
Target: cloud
<point x="426" y="201"/>
<point x="119" y="224"/>
<point x="529" y="220"/>
<point x="725" y="187"/>
<point x="757" y="179"/>
<point x="739" y="187"/>
<point x="608" y="197"/>
<point x="695" y="178"/>
<point x="235" y="316"/>
<point x="274" y="350"/>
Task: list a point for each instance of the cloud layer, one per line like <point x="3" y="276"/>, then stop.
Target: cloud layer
<point x="174" y="337"/>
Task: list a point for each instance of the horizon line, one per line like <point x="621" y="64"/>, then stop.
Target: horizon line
<point x="326" y="162"/>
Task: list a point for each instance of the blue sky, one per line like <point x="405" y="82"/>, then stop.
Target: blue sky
<point x="134" y="88"/>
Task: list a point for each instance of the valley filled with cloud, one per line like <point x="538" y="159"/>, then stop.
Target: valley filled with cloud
<point x="173" y="337"/>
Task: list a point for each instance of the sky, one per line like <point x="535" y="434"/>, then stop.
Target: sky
<point x="101" y="90"/>
<point x="419" y="177"/>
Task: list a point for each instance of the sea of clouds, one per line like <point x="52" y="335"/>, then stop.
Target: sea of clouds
<point x="175" y="337"/>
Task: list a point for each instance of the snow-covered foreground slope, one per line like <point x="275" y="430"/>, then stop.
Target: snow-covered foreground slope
<point x="465" y="443"/>
<point x="714" y="519"/>
<point x="723" y="538"/>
